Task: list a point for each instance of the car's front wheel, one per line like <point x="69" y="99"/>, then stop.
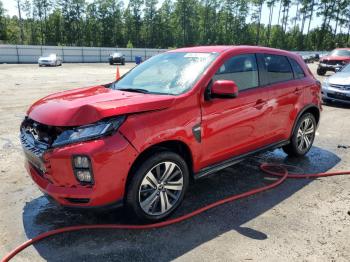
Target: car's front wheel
<point x="321" y="71"/>
<point x="158" y="186"/>
<point x="302" y="137"/>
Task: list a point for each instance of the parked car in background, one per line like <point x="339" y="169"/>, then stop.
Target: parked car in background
<point x="307" y="58"/>
<point x="50" y="59"/>
<point x="337" y="86"/>
<point x="178" y="116"/>
<point x="116" y="58"/>
<point x="334" y="61"/>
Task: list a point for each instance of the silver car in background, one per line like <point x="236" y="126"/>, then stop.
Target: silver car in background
<point x="50" y="60"/>
<point x="337" y="86"/>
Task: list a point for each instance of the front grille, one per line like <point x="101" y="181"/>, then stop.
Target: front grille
<point x="34" y="151"/>
<point x="29" y="144"/>
<point x="340" y="97"/>
<point x="341" y="87"/>
<point x="36" y="139"/>
<point x="40" y="133"/>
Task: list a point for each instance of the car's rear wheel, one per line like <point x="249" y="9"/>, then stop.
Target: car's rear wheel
<point x="123" y="62"/>
<point x="303" y="136"/>
<point x="158" y="186"/>
<point x="321" y="71"/>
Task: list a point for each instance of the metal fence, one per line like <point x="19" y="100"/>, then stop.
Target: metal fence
<point x="31" y="53"/>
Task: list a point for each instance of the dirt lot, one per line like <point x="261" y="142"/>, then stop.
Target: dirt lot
<point x="302" y="220"/>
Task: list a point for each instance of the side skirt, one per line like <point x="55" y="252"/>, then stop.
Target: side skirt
<point x="234" y="160"/>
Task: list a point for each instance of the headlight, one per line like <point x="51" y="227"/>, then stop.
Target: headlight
<point x="326" y="82"/>
<point x="89" y="132"/>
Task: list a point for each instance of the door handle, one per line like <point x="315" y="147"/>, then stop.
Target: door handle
<point x="297" y="90"/>
<point x="259" y="104"/>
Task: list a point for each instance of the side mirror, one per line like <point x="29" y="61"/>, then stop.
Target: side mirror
<point x="224" y="89"/>
<point x="337" y="69"/>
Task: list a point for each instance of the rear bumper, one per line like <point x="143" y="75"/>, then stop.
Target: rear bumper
<point x="111" y="159"/>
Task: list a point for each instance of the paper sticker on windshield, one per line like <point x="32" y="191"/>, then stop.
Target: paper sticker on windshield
<point x="197" y="55"/>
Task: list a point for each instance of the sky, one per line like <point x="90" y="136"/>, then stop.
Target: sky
<point x="10" y="6"/>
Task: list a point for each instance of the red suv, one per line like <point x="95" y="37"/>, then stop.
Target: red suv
<point x="334" y="61"/>
<point x="178" y="116"/>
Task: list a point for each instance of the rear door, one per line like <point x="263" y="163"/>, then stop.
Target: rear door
<point x="238" y="125"/>
<point x="285" y="94"/>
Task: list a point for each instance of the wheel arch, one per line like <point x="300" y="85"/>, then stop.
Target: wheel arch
<point x="313" y="109"/>
<point x="176" y="146"/>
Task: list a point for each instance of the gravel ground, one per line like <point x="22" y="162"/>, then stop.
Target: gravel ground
<point x="302" y="220"/>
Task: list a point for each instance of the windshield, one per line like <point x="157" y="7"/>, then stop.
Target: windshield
<point x="340" y="52"/>
<point x="116" y="54"/>
<point x="346" y="69"/>
<point x="169" y="73"/>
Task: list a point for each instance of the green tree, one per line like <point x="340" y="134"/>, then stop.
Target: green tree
<point x="3" y="26"/>
<point x="150" y="22"/>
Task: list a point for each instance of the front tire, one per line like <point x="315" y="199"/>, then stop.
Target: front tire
<point x="321" y="71"/>
<point x="303" y="136"/>
<point x="158" y="186"/>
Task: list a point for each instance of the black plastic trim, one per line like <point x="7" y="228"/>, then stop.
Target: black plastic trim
<point x="236" y="159"/>
<point x="301" y="113"/>
<point x="197" y="132"/>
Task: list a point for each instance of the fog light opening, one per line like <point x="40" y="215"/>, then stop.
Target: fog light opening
<point x="82" y="169"/>
<point x="81" y="162"/>
<point x="84" y="176"/>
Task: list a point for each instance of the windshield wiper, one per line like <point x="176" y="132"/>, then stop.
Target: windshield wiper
<point x="137" y="90"/>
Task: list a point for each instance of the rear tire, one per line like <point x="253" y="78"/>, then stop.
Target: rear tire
<point x="158" y="186"/>
<point x="302" y="137"/>
<point x="321" y="71"/>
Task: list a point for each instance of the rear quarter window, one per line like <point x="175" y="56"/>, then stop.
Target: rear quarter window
<point x="298" y="70"/>
<point x="278" y="68"/>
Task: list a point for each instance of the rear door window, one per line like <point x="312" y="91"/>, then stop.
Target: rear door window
<point x="278" y="68"/>
<point x="241" y="69"/>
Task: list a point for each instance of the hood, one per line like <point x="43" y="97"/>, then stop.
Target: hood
<point x="88" y="105"/>
<point x="340" y="78"/>
<point x="334" y="58"/>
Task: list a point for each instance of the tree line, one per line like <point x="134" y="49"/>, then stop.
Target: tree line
<point x="176" y="23"/>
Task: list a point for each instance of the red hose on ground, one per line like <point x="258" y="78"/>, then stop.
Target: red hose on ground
<point x="283" y="174"/>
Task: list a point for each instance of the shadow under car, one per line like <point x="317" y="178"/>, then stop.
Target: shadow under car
<point x="164" y="244"/>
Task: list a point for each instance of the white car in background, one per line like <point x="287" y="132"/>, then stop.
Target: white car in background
<point x="337" y="87"/>
<point x="50" y="60"/>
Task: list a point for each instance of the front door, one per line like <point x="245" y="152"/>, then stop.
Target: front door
<point x="231" y="127"/>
